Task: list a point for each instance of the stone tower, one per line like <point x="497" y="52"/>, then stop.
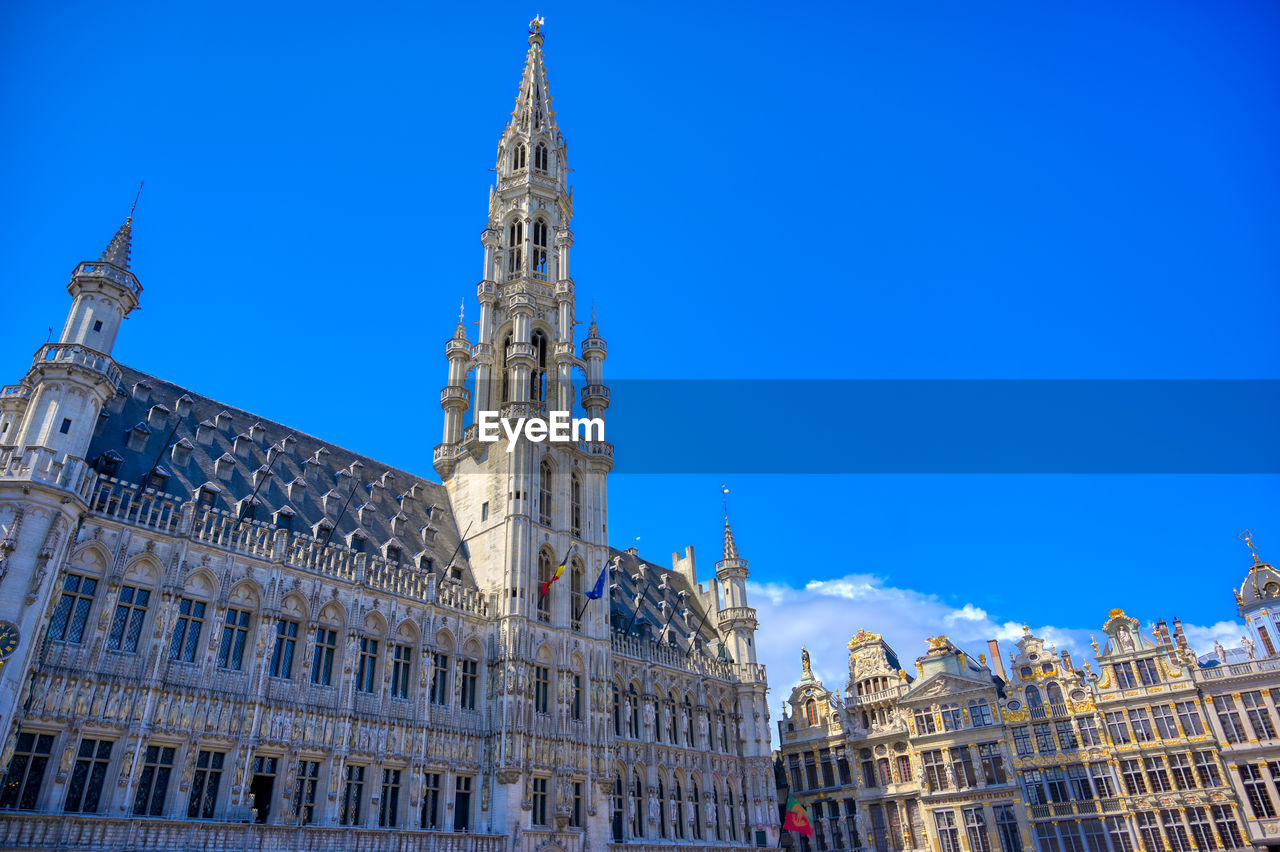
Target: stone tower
<point x="525" y="507"/>
<point x="46" y="423"/>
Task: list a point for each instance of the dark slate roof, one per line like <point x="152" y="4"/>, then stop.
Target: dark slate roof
<point x="381" y="492"/>
<point x="651" y="617"/>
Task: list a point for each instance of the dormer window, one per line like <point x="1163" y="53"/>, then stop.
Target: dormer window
<point x="109" y="462"/>
<point x="181" y="452"/>
<point x="183" y="405"/>
<point x="322" y="530"/>
<point x="136" y="438"/>
<point x="539" y="249"/>
<point x="518" y="157"/>
<point x="248" y="508"/>
<point x="141" y="391"/>
<point x="206" y="496"/>
<point x="157" y="415"/>
<point x="426" y="563"/>
<point x="283" y="518"/>
<point x="242" y="446"/>
<point x="515" y="248"/>
<point x="393" y="553"/>
<point x="224" y="465"/>
<point x="204" y="432"/>
<point x="223" y="420"/>
<point x="356" y="541"/>
<point x="158" y="478"/>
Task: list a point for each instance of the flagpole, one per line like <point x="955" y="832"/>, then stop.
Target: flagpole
<point x="461" y="539"/>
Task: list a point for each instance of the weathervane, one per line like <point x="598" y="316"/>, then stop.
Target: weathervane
<point x="535" y="26"/>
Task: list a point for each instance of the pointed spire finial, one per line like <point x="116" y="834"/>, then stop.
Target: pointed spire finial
<point x="461" y="331"/>
<point x="1247" y="537"/>
<point x="134" y="206"/>
<point x="594" y="330"/>
<point x="730" y="546"/>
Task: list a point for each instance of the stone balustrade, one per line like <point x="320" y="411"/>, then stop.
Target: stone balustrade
<point x="100" y="833"/>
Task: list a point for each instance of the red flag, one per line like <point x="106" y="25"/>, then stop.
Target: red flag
<point x="797" y="818"/>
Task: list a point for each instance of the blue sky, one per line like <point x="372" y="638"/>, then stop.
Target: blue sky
<point x="818" y="191"/>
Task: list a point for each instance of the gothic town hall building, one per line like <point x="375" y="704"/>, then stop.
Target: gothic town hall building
<point x="221" y="633"/>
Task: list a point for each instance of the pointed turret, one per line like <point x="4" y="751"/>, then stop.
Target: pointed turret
<point x="117" y="251"/>
<point x="454" y="397"/>
<point x="737" y="618"/>
<point x="104" y="291"/>
<point x="730" y="546"/>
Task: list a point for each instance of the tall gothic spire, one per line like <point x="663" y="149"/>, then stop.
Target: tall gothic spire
<point x="533" y="110"/>
<point x="117" y="251"/>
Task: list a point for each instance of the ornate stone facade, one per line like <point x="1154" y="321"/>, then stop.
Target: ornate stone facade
<point x="1157" y="750"/>
<point x="219" y="632"/>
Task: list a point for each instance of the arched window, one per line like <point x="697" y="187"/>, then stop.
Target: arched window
<point x="677" y="799"/>
<point x="575" y="505"/>
<point x="540" y="157"/>
<point x="688" y="723"/>
<point x="540" y="243"/>
<point x="811" y="712"/>
<point x="576" y="593"/>
<point x="1054" y="693"/>
<point x="715" y="800"/>
<point x="633" y="723"/>
<point x="733" y="818"/>
<point x="518" y="154"/>
<point x="1033" y="697"/>
<point x="515" y="248"/>
<point x="637" y="804"/>
<point x="662" y="811"/>
<point x="617" y="712"/>
<point x="545" y="572"/>
<point x="544" y="493"/>
<point x="537" y="378"/>
<point x="506" y="369"/>
<point x="674" y="724"/>
<point x="617" y="809"/>
<point x="694" y="802"/>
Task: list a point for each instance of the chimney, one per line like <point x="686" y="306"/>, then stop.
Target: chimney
<point x="994" y="647"/>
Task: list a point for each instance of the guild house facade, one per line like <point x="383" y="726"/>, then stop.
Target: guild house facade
<point x="1157" y="750"/>
<point x="221" y="633"/>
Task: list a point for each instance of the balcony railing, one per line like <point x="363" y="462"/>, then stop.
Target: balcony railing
<point x="82" y="356"/>
<point x="125" y="502"/>
<point x="64" y="831"/>
<point x="98" y="269"/>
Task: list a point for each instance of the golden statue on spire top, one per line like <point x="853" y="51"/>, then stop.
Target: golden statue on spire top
<point x="1247" y="537"/>
<point x="535" y="26"/>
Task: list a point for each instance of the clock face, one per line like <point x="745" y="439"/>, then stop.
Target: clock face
<point x="9" y="638"/>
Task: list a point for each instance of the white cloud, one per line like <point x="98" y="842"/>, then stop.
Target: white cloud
<point x="825" y="613"/>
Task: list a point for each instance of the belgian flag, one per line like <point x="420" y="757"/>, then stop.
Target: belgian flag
<point x="546" y="586"/>
<point x="797" y="819"/>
